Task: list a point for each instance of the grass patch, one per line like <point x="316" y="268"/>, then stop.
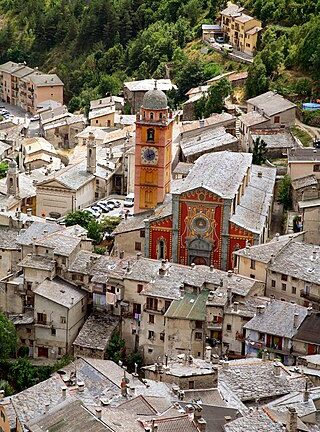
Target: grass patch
<point x="303" y="136"/>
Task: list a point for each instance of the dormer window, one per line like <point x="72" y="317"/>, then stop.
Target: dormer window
<point x="150" y="134"/>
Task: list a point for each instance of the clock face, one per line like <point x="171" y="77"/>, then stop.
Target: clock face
<point x="149" y="155"/>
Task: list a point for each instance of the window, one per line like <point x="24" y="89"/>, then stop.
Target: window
<point x="199" y="324"/>
<point x="253" y="264"/>
<point x="23" y="341"/>
<point x="316" y="168"/>
<point x="161" y="249"/>
<point x="151" y="335"/>
<point x="167" y="304"/>
<point x="134" y="331"/>
<point x="139" y="288"/>
<point x="284" y="277"/>
<point x="151" y="116"/>
<point x="28" y="330"/>
<point x="261" y="336"/>
<point x="247" y="45"/>
<point x="60" y="351"/>
<point x="151" y="319"/>
<point x="284" y="287"/>
<point x="150" y="350"/>
<point x="162" y="336"/>
<point x="276" y="119"/>
<point x="142" y="233"/>
<point x="3" y="416"/>
<point x="191" y="385"/>
<point x="63" y="320"/>
<point x="152" y="303"/>
<point x="252" y="276"/>
<point x="97" y="121"/>
<point x="273" y="283"/>
<point x="42" y="318"/>
<point x="150" y="134"/>
<point x="198" y="336"/>
<point x="137" y="246"/>
<point x="229" y="327"/>
<point x="294" y="290"/>
<point x="53" y="332"/>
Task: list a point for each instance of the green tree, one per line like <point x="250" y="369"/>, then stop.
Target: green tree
<point x="78" y="217"/>
<point x="259" y="151"/>
<point x="23" y="374"/>
<point x="8" y="337"/>
<point x="94" y="231"/>
<point x="109" y="223"/>
<point x="214" y="101"/>
<point x="3" y="169"/>
<point x="116" y="349"/>
<point x="257" y="81"/>
<point x="8" y="389"/>
<point x="285" y="196"/>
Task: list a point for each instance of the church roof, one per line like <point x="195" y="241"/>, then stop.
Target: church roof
<point x="155" y="100"/>
<point x="220" y="173"/>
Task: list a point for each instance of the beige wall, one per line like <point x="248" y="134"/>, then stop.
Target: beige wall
<point x="127" y="241"/>
<point x="9" y="259"/>
<point x="65" y="333"/>
<point x="311" y="226"/>
<point x="11" y="296"/>
<point x="6" y="86"/>
<point x="236" y="31"/>
<point x="199" y="381"/>
<point x="244" y="265"/>
<point x="106" y="120"/>
<point x="286" y="118"/>
<point x="230" y="336"/>
<point x="302" y="169"/>
<point x="42" y="94"/>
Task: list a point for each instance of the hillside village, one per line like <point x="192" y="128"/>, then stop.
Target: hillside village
<point x="164" y="265"/>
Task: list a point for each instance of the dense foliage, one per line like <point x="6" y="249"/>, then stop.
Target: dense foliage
<point x="8" y="337"/>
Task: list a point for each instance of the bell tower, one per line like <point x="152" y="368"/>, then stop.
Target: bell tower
<point x="13" y="179"/>
<point x="91" y="154"/>
<point x="152" y="151"/>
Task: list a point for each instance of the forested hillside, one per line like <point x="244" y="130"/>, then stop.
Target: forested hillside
<point x="94" y="45"/>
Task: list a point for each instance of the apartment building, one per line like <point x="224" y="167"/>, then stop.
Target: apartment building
<point x="241" y="29"/>
<point x="26" y="87"/>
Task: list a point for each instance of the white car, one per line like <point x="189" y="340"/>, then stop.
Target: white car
<point x="129" y="200"/>
<point x="93" y="213"/>
<point x="227" y="47"/>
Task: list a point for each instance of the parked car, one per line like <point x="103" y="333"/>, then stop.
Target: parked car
<point x="103" y="207"/>
<point x="220" y="39"/>
<point x="116" y="203"/>
<point x="97" y="209"/>
<point x="94" y="213"/>
<point x="129" y="200"/>
<point x="227" y="47"/>
<point x="211" y="40"/>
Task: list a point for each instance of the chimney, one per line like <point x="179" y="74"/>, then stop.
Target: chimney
<point x="292" y="423"/>
<point x="314" y="255"/>
<point x="80" y="386"/>
<point x="201" y="123"/>
<point x="235" y="306"/>
<point x="260" y="309"/>
<point x="230" y="273"/>
<point x="193" y="265"/>
<point x="227" y="419"/>
<point x="306" y="394"/>
<point x="211" y="268"/>
<point x="99" y="413"/>
<point x="264" y="355"/>
<point x="260" y="174"/>
<point x="208" y="354"/>
<point x="272" y="259"/>
<point x="128" y="267"/>
<point x="29" y="212"/>
<point x="139" y="254"/>
<point x="46" y="407"/>
<point x="276" y="369"/>
<point x="309" y="310"/>
<point x="225" y="365"/>
<point x="229" y="295"/>
<point x="277" y="236"/>
<point x="72" y="300"/>
<point x="121" y="254"/>
<point x="64" y="391"/>
<point x="295" y="320"/>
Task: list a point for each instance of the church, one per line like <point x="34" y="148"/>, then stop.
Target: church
<point x="223" y="204"/>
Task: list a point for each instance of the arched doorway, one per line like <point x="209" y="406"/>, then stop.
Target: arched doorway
<point x="199" y="251"/>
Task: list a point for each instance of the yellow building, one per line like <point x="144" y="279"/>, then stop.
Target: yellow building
<point x="241" y="29"/>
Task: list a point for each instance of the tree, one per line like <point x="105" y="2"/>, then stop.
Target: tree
<point x="3" y="169"/>
<point x="214" y="101"/>
<point x="23" y="374"/>
<point x="78" y="217"/>
<point x="8" y="337"/>
<point x="109" y="223"/>
<point x="116" y="348"/>
<point x="259" y="152"/>
<point x="257" y="81"/>
<point x="285" y="197"/>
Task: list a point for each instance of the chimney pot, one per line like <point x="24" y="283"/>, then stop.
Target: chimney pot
<point x="230" y="273"/>
<point x="211" y="268"/>
<point x="80" y="386"/>
<point x="99" y="413"/>
<point x="295" y="320"/>
<point x="1" y="395"/>
<point x="292" y="425"/>
<point x="64" y="391"/>
<point x="276" y="369"/>
<point x="47" y="406"/>
<point x="309" y="310"/>
<point x="139" y="254"/>
<point x="235" y="306"/>
<point x="193" y="265"/>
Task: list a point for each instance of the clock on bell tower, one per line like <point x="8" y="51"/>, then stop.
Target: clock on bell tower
<point x="152" y="151"/>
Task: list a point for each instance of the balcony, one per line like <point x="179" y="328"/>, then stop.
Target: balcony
<point x="310" y="296"/>
<point x="213" y="325"/>
<point x="148" y="309"/>
<point x="42" y="323"/>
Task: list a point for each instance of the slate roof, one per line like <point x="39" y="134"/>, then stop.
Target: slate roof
<point x="252" y="379"/>
<point x="271" y="103"/>
<point x="208" y="140"/>
<point x="214" y="119"/>
<point x="60" y="292"/>
<point x="138" y="405"/>
<point x="190" y="307"/>
<point x="303" y="154"/>
<point x="10" y="67"/>
<point x="278" y="319"/>
<point x="96" y="331"/>
<point x="297" y="260"/>
<point x="44" y="80"/>
<point x="72" y="176"/>
<point x="296" y="400"/>
<point x="132" y="223"/>
<point x="4" y="147"/>
<point x="148" y="84"/>
<point x="37" y="230"/>
<point x="309" y="330"/>
<point x="303" y="182"/>
<point x="22" y="72"/>
<point x="208" y="396"/>
<point x="182" y="168"/>
<point x="220" y="173"/>
<point x="175" y="424"/>
<point x="8" y="238"/>
<point x="61" y="242"/>
<point x="232" y="9"/>
<point x="68" y="416"/>
<point x="264" y="252"/>
<point x="179" y="368"/>
<point x="255" y="421"/>
<point x="83" y="262"/>
<point x="252" y="118"/>
<point x="275" y="138"/>
<point x="38" y="262"/>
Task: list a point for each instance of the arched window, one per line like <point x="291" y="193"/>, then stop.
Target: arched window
<point x="160" y="115"/>
<point x="90" y="152"/>
<point x="151" y="116"/>
<point x="150" y="134"/>
<point x="11" y="182"/>
<point x="161" y="249"/>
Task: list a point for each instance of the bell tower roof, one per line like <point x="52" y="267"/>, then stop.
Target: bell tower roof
<point x="155" y="99"/>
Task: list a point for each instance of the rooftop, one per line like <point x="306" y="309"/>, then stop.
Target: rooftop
<point x="220" y="173"/>
<point x="43" y="80"/>
<point x="61" y="242"/>
<point x="254" y="379"/>
<point x="8" y="238"/>
<point x="299" y="260"/>
<point x="190" y="307"/>
<point x="271" y="103"/>
<point x="254" y="421"/>
<point x="232" y="9"/>
<point x="213" y="120"/>
<point x="96" y="331"/>
<point x="309" y="329"/>
<point x="252" y="118"/>
<point x="37" y="230"/>
<point x="302" y="182"/>
<point x="275" y="138"/>
<point x="38" y="262"/>
<point x="99" y="112"/>
<point x="10" y="67"/>
<point x="22" y="72"/>
<point x="106" y="101"/>
<point x="183" y="168"/>
<point x="209" y="140"/>
<point x="263" y="252"/>
<point x="305" y="154"/>
<point x="37" y="144"/>
<point x="277" y="318"/>
<point x="83" y="262"/>
<point x="148" y="84"/>
<point x="60" y="292"/>
<point x="182" y="368"/>
<point x="132" y="223"/>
